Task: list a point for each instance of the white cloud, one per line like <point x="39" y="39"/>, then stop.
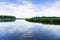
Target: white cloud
<point x="50" y="10"/>
<point x="27" y="9"/>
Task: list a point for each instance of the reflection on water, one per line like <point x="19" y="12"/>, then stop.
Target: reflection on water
<point x="22" y="30"/>
<point x="7" y="20"/>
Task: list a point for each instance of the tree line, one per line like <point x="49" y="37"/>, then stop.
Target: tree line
<point x="47" y="20"/>
<point x="7" y="18"/>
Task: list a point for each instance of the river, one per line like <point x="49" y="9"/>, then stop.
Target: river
<point x="23" y="30"/>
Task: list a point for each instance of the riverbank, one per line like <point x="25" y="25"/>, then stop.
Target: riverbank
<point x="7" y="18"/>
<point x="45" y="20"/>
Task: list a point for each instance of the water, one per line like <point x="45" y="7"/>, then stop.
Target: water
<point x="23" y="30"/>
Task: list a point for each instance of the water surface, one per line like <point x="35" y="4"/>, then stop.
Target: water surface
<point x="23" y="30"/>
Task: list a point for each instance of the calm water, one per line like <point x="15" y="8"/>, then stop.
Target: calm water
<point x="23" y="30"/>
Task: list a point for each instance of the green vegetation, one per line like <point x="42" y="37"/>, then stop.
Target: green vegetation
<point x="7" y="18"/>
<point x="45" y="20"/>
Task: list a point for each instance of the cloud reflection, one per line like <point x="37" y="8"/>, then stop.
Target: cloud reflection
<point x="22" y="30"/>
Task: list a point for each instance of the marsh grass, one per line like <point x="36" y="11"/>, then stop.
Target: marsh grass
<point x="7" y="18"/>
<point x="45" y="20"/>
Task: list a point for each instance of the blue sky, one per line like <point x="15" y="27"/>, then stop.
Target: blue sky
<point x="12" y="1"/>
<point x="30" y="8"/>
<point x="42" y="1"/>
<point x="33" y="1"/>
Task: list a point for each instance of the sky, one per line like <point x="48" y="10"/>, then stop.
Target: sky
<point x="30" y="8"/>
